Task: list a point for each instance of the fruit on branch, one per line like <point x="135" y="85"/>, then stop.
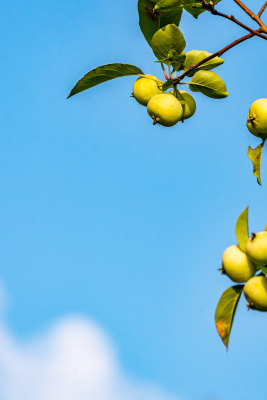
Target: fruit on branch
<point x="236" y="264"/>
<point x="256" y="248"/>
<point x="146" y="87"/>
<point x="190" y="104"/>
<point x="257" y="118"/>
<point x="165" y="109"/>
<point x="255" y="291"/>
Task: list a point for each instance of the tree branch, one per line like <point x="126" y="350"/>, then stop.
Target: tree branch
<point x="210" y="7"/>
<point x="217" y="54"/>
<point x="262" y="9"/>
<point x="256" y="18"/>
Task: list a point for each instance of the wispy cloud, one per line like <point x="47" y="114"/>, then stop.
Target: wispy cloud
<point x="74" y="359"/>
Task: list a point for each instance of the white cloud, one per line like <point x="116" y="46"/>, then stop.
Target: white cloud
<point x="74" y="360"/>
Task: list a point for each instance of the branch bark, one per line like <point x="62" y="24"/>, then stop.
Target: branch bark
<point x="262" y="9"/>
<point x="210" y="7"/>
<point x="256" y="18"/>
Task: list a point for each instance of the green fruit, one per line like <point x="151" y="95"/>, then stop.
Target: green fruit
<point x="236" y="264"/>
<point x="190" y="104"/>
<point x="146" y="87"/>
<point x="255" y="291"/>
<point x="257" y="118"/>
<point x="165" y="109"/>
<point x="256" y="248"/>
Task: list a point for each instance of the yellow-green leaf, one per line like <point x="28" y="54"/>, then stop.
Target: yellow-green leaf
<point x="195" y="56"/>
<point x="208" y="83"/>
<point x="255" y="157"/>
<point x="225" y="312"/>
<point x="241" y="229"/>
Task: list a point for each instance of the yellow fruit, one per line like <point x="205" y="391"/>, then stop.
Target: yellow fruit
<point x="255" y="291"/>
<point x="257" y="118"/>
<point x="236" y="264"/>
<point x="256" y="248"/>
<point x="146" y="87"/>
<point x="190" y="104"/>
<point x="165" y="109"/>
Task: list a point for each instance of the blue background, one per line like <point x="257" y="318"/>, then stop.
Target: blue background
<point x="104" y="215"/>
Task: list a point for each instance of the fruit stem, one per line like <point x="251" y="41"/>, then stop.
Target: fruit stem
<point x="164" y="72"/>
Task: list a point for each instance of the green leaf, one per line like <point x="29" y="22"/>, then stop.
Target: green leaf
<point x="195" y="56"/>
<point x="168" y="41"/>
<point x="103" y="74"/>
<point x="151" y="20"/>
<point x="167" y="85"/>
<point x="176" y="60"/>
<point x="265" y="228"/>
<point x="195" y="7"/>
<point x="169" y="5"/>
<point x="241" y="229"/>
<point x="264" y="269"/>
<point x="255" y="157"/>
<point x="225" y="312"/>
<point x="208" y="83"/>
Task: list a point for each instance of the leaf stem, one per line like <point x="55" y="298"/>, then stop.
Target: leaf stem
<point x="164" y="72"/>
<point x="217" y="54"/>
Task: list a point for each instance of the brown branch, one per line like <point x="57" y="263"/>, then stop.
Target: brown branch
<point x="217" y="54"/>
<point x="262" y="9"/>
<point x="210" y="7"/>
<point x="256" y="18"/>
<point x="245" y="8"/>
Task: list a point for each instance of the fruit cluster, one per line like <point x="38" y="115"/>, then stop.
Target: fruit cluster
<point x="241" y="266"/>
<point x="164" y="108"/>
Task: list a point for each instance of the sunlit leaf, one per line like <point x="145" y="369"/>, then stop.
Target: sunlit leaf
<point x="225" y="312"/>
<point x="168" y="41"/>
<point x="241" y="229"/>
<point x="208" y="83"/>
<point x="255" y="157"/>
<point x="103" y="74"/>
<point x="195" y="56"/>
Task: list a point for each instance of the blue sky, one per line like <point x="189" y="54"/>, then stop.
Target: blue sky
<point x="113" y="221"/>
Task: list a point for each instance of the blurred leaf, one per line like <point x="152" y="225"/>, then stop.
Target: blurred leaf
<point x="264" y="269"/>
<point x="167" y="41"/>
<point x="241" y="229"/>
<point x="176" y="60"/>
<point x="265" y="228"/>
<point x="195" y="56"/>
<point x="167" y="85"/>
<point x="208" y="83"/>
<point x="151" y="20"/>
<point x="255" y="157"/>
<point x="103" y="74"/>
<point x="225" y="312"/>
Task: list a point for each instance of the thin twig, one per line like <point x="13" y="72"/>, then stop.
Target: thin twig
<point x="210" y="7"/>
<point x="245" y="8"/>
<point x="262" y="9"/>
<point x="256" y="18"/>
<point x="217" y="54"/>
